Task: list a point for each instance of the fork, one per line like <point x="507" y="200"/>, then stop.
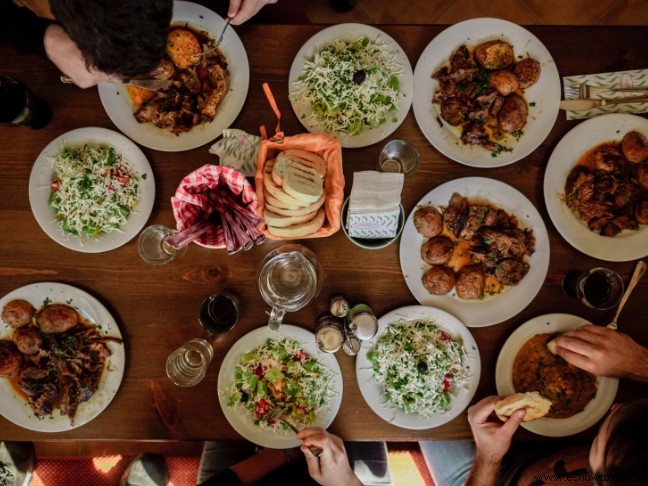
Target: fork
<point x="218" y="41"/>
<point x="277" y="414"/>
<point x="586" y="91"/>
<point x="639" y="270"/>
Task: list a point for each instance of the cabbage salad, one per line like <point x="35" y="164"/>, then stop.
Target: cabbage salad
<point x="280" y="375"/>
<point x="418" y="366"/>
<point x="93" y="191"/>
<point x="348" y="86"/>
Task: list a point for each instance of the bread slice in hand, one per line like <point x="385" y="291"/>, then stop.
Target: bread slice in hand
<point x="533" y="403"/>
<point x="299" y="230"/>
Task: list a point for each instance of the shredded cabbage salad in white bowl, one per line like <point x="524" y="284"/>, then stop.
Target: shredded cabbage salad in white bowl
<point x="422" y="368"/>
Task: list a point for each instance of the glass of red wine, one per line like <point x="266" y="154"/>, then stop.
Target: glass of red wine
<point x="598" y="288"/>
<point x="219" y="312"/>
<point x="19" y="106"/>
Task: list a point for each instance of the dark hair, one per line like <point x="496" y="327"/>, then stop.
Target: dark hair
<point x="122" y="37"/>
<point x="625" y="456"/>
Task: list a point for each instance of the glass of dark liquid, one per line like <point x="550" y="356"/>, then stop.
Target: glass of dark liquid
<point x="599" y="288"/>
<point x="19" y="106"/>
<point x="219" y="312"/>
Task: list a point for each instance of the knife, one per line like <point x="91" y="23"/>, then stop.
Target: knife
<point x="152" y="84"/>
<point x="576" y="104"/>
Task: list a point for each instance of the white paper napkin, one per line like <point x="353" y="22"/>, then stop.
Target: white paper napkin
<point x="374" y="205"/>
<point x="618" y="79"/>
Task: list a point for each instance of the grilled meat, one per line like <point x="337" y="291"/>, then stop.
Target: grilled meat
<point x="18" y="313"/>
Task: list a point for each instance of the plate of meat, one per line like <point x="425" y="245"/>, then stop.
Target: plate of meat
<point x="525" y="361"/>
<point x="476" y="248"/>
<point x="61" y="357"/>
<point x="486" y="92"/>
<point x="596" y="187"/>
<point x="207" y="92"/>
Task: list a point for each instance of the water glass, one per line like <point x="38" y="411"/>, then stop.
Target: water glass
<point x="399" y="156"/>
<point x="154" y="249"/>
<point x="598" y="288"/>
<point x="187" y="365"/>
<point x="219" y="312"/>
<point x="289" y="278"/>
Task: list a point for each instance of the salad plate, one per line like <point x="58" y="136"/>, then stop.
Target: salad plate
<point x="43" y="174"/>
<point x="627" y="245"/>
<point x="15" y="408"/>
<point x="543" y="98"/>
<point x="551" y="427"/>
<point x="350" y="33"/>
<point x="238" y="417"/>
<point x="491" y="309"/>
<point x="373" y="393"/>
<point x="119" y="106"/>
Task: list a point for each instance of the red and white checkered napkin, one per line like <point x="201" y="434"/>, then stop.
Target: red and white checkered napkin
<point x="191" y="202"/>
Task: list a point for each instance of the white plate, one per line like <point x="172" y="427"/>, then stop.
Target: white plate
<point x="491" y="309"/>
<point x="253" y="339"/>
<point x="597" y="407"/>
<point x="372" y="392"/>
<point x="15" y="408"/>
<point x="368" y="136"/>
<point x="43" y="174"/>
<point x="545" y="93"/>
<point x="119" y="107"/>
<point x="627" y="245"/>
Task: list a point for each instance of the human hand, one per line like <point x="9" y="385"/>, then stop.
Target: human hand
<point x="331" y="468"/>
<point x="243" y="10"/>
<point x="492" y="437"/>
<point x="604" y="352"/>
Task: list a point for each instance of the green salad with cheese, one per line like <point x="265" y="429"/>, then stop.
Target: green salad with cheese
<point x="419" y="367"/>
<point x="94" y="189"/>
<point x="349" y="86"/>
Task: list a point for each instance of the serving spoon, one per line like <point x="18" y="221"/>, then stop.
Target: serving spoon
<point x="639" y="270"/>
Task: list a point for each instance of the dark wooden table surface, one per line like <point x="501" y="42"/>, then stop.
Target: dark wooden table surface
<point x="156" y="307"/>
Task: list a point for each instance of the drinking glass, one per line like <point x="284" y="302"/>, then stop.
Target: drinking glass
<point x="187" y="365"/>
<point x="289" y="278"/>
<point x="153" y="247"/>
<point x="399" y="156"/>
<point x="219" y="312"/>
<point x="598" y="288"/>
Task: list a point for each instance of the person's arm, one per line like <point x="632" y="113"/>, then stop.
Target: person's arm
<point x="243" y="10"/>
<point x="604" y="352"/>
<point x="331" y="468"/>
<point x="492" y="440"/>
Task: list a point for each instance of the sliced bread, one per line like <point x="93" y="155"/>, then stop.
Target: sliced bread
<point x="277" y="191"/>
<point x="298" y="161"/>
<point x="307" y="188"/>
<point x="302" y="229"/>
<point x="294" y="211"/>
<point x="277" y="203"/>
<point x="280" y="221"/>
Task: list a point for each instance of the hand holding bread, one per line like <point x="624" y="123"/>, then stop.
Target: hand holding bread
<point x="534" y="404"/>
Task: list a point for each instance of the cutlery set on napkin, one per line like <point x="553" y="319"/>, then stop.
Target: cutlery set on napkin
<point x="595" y="94"/>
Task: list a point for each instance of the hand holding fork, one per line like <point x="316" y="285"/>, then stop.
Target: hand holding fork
<point x="277" y="414"/>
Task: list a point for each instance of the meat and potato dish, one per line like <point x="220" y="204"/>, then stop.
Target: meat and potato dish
<point x="474" y="248"/>
<point x="56" y="360"/>
<point x="199" y="83"/>
<point x="480" y="91"/>
<point x="535" y="368"/>
<point x="608" y="187"/>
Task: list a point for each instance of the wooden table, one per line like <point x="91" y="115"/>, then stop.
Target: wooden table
<point x="156" y="307"/>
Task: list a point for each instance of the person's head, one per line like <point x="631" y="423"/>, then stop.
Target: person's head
<point x="619" y="456"/>
<point x="122" y="37"/>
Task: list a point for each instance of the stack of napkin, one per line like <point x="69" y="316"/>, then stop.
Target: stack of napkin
<point x="374" y="205"/>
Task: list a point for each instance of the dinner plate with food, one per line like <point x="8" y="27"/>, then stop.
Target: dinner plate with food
<point x="596" y="187"/>
<point x="272" y="377"/>
<point x="61" y="357"/>
<point x="526" y="364"/>
<point x="486" y="92"/>
<point x="91" y="190"/>
<point x="353" y="82"/>
<point x="477" y="248"/>
<point x="420" y="370"/>
<point x="206" y="94"/>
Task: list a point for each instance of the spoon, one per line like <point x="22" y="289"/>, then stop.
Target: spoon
<point x="638" y="272"/>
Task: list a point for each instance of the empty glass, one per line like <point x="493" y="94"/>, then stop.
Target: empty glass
<point x="187" y="365"/>
<point x="399" y="156"/>
<point x="153" y="247"/>
<point x="289" y="278"/>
